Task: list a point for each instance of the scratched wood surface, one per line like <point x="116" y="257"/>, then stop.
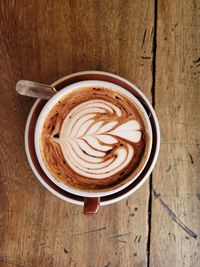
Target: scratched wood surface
<point x="175" y="221"/>
<point x="43" y="41"/>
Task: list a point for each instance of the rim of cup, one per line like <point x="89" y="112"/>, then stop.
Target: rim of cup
<point x="47" y="107"/>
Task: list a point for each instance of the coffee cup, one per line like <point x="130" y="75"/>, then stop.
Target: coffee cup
<point x="92" y="198"/>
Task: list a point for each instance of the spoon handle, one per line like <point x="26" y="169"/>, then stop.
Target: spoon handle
<point x="35" y="89"/>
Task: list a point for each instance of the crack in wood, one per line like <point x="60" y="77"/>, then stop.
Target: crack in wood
<point x="143" y="57"/>
<point x="191" y="158"/>
<point x="169" y="168"/>
<point x="197" y="61"/>
<point x="152" y="31"/>
<point x="43" y="243"/>
<point x="174" y="217"/>
<point x="154" y="47"/>
<point x="149" y="222"/>
<point x="137" y="239"/>
<point x="91" y="231"/>
<point x="144" y="36"/>
<point x="65" y="250"/>
<point x="116" y="236"/>
<point x="156" y="194"/>
<point x="198" y="196"/>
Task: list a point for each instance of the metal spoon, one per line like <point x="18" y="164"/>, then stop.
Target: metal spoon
<point x="34" y="89"/>
<point x="43" y="91"/>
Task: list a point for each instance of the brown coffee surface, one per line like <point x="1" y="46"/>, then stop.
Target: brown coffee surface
<point x="93" y="139"/>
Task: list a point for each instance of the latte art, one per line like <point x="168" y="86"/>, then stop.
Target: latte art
<point x="85" y="139"/>
<point x="93" y="139"/>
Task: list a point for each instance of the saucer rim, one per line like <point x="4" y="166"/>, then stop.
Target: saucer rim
<point x="118" y="198"/>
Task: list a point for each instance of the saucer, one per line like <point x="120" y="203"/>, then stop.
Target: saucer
<point x="30" y="128"/>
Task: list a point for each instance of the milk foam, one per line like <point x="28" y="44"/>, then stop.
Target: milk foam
<point x="86" y="139"/>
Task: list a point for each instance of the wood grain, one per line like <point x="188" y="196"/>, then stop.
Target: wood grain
<point x="43" y="41"/>
<point x="175" y="223"/>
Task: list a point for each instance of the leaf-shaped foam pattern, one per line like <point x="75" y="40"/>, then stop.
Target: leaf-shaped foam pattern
<point x="89" y="143"/>
<point x="94" y="142"/>
<point x="107" y="139"/>
<point x="94" y="128"/>
<point x="107" y="127"/>
<point x="128" y="130"/>
<point x="88" y="149"/>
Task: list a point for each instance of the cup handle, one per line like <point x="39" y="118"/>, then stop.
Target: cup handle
<point x="91" y="205"/>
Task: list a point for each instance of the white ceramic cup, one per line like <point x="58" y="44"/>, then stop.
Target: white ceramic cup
<point x="50" y="104"/>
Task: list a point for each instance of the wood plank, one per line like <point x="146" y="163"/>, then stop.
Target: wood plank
<point x="176" y="202"/>
<point x="43" y="41"/>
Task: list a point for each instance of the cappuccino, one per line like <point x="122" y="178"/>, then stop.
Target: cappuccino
<point x="93" y="139"/>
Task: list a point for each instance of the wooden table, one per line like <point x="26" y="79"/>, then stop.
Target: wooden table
<point x="154" y="44"/>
